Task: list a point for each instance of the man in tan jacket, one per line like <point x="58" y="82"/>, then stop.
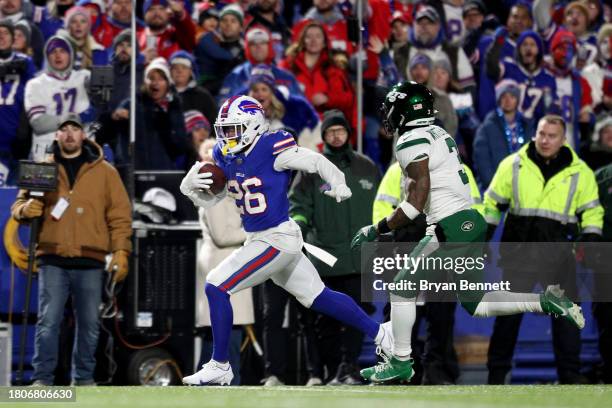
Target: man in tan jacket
<point x="86" y="218"/>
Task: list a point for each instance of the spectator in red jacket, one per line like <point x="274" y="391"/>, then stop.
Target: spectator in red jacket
<point x="325" y="85"/>
<point x="107" y="24"/>
<point x="162" y="37"/>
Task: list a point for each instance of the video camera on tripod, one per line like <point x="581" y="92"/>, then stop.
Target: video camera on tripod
<point x="37" y="178"/>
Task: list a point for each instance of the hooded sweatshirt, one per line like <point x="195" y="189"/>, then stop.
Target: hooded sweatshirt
<point x="52" y="96"/>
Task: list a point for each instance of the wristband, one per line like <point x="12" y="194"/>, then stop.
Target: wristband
<point x="409" y="210"/>
<point x="382" y="227"/>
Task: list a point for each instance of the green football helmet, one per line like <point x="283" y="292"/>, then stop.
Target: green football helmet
<point x="407" y="104"/>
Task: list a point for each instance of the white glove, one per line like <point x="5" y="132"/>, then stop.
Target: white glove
<point x="340" y="192"/>
<point x="196" y="186"/>
<point x="194" y="181"/>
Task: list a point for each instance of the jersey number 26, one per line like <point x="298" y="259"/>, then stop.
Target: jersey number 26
<point x="246" y="200"/>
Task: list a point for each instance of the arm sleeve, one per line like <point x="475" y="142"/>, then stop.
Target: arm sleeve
<point x="588" y="206"/>
<point x="43" y="123"/>
<point x="118" y="212"/>
<point x="464" y="71"/>
<point x="209" y="49"/>
<point x="342" y="96"/>
<point x="301" y="159"/>
<point x="474" y="191"/>
<point x="498" y="195"/>
<point x="185" y="32"/>
<point x="17" y="206"/>
<point x="39" y="119"/>
<point x="493" y="61"/>
<point x="482" y="158"/>
<point x="412" y="150"/>
<point x="388" y="67"/>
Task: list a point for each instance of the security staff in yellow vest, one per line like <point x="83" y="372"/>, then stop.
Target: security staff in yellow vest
<point x="551" y="196"/>
<point x="439" y="359"/>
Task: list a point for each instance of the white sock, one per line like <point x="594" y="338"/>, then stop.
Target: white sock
<point x="219" y="364"/>
<point x="403" y="315"/>
<point x="379" y="335"/>
<point x="502" y="303"/>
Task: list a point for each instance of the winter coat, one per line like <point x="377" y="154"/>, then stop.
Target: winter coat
<point x="97" y="221"/>
<point x="216" y="59"/>
<point x="491" y="145"/>
<point x="161" y="138"/>
<point x="327" y="79"/>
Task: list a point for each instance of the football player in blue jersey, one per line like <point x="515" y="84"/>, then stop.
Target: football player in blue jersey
<point x="258" y="166"/>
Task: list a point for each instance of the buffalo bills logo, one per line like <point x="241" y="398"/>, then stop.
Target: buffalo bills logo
<point x="249" y="107"/>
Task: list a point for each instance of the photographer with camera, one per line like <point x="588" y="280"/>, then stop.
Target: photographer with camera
<point x="15" y="70"/>
<point x="85" y="219"/>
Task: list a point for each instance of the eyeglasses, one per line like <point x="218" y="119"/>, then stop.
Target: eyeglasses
<point x="338" y="131"/>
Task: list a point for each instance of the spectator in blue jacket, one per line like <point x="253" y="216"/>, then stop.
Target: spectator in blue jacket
<point x="503" y="132"/>
<point x="259" y="50"/>
<point x="218" y="52"/>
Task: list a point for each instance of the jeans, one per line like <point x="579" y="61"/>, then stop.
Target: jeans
<point x="54" y="286"/>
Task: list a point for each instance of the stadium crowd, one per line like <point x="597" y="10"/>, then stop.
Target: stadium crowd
<point x="496" y="68"/>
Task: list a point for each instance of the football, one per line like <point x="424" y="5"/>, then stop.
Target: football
<point x="218" y="177"/>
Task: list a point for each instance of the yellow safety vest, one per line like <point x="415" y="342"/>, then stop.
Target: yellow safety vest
<point x="519" y="183"/>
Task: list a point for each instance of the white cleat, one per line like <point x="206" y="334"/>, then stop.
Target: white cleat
<point x="385" y="343"/>
<point x="212" y="373"/>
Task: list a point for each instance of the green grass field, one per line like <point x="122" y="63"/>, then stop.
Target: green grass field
<point x="336" y="397"/>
